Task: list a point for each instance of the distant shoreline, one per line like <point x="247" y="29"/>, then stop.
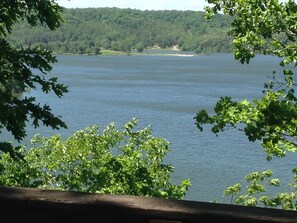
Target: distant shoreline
<point x="147" y="52"/>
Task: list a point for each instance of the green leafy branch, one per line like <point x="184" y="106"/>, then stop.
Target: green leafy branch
<point x="117" y="161"/>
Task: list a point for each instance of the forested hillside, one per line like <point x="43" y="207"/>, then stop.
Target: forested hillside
<point x="87" y="31"/>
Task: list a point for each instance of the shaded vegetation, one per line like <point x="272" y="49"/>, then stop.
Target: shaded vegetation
<point x="16" y="65"/>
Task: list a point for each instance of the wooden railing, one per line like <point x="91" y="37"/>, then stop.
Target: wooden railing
<point x="34" y="205"/>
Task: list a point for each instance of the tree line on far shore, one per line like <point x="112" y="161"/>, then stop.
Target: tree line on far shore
<point x="88" y="31"/>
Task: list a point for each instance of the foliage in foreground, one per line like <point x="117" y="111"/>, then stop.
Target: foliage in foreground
<point x="16" y="70"/>
<point x="267" y="27"/>
<point x="114" y="162"/>
<point x="254" y="193"/>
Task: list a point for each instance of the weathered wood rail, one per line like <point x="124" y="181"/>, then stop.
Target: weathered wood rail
<point x="34" y="205"/>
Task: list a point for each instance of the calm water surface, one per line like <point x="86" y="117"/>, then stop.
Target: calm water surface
<point x="166" y="92"/>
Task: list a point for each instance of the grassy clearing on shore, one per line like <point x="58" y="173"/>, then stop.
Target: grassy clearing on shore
<point x="113" y="53"/>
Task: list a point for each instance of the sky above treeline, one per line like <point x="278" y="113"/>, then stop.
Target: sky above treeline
<point x="195" y="5"/>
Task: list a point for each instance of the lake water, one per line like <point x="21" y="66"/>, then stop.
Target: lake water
<point x="166" y="92"/>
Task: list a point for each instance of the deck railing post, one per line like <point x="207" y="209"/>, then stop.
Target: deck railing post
<point x="34" y="205"/>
